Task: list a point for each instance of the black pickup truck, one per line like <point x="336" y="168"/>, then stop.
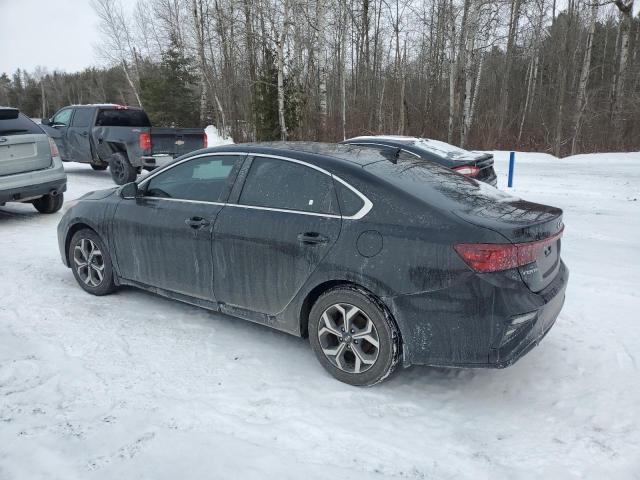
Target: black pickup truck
<point x="118" y="137"/>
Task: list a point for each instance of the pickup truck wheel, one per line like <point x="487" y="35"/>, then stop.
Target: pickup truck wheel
<point x="49" y="203"/>
<point x="121" y="170"/>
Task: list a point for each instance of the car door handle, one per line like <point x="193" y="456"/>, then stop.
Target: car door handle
<point x="197" y="222"/>
<point x="84" y="134"/>
<point x="312" y="238"/>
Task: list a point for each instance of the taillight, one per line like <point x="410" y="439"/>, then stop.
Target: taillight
<point x="494" y="257"/>
<point x="467" y="170"/>
<point x="144" y="140"/>
<point x="54" y="148"/>
<point x="205" y="140"/>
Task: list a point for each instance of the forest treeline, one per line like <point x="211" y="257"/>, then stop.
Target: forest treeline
<point x="522" y="74"/>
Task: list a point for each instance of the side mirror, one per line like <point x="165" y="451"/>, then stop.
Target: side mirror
<point x="45" y="121"/>
<point x="129" y="190"/>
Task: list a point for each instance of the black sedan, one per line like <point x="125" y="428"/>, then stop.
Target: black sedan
<point x="477" y="165"/>
<point x="378" y="260"/>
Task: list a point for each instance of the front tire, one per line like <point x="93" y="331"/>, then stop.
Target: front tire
<point x="49" y="203"/>
<point x="121" y="169"/>
<point x="91" y="263"/>
<point x="353" y="337"/>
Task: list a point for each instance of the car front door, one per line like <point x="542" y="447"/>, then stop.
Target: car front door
<point x="163" y="237"/>
<point x="269" y="241"/>
<point x="78" y="134"/>
<point x="58" y="131"/>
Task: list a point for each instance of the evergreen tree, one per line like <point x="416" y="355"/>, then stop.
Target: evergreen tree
<point x="266" y="102"/>
<point x="168" y="90"/>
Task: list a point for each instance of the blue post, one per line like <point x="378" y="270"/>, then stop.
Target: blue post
<point x="512" y="161"/>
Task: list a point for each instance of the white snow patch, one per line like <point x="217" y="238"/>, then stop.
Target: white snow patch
<point x="135" y="386"/>
<point x="215" y="138"/>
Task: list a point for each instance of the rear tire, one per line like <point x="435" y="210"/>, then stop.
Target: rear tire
<point x="91" y="263"/>
<point x="353" y="336"/>
<point x="121" y="169"/>
<point x="49" y="203"/>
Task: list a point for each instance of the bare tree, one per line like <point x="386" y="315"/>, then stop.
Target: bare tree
<point x="117" y="41"/>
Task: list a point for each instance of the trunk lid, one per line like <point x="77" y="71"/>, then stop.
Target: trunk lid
<point x="527" y="224"/>
<point x="24" y="153"/>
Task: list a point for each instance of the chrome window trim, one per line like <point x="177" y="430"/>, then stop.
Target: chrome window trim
<point x="366" y="208"/>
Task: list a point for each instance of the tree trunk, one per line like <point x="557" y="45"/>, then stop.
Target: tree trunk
<point x="452" y="75"/>
<point x="581" y="101"/>
<point x="511" y="43"/>
<point x="280" y="58"/>
<point x="471" y="27"/>
<point x="322" y="66"/>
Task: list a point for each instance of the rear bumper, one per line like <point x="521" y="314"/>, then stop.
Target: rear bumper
<point x="156" y="161"/>
<point x="21" y="187"/>
<point x="465" y="324"/>
<point x="30" y="192"/>
<point x="492" y="180"/>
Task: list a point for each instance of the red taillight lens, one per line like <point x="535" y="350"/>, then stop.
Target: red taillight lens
<point x="205" y="140"/>
<point x="494" y="257"/>
<point x="144" y="141"/>
<point x="54" y="148"/>
<point x="468" y="170"/>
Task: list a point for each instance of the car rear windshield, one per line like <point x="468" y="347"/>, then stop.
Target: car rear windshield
<point x="423" y="180"/>
<point x="122" y="118"/>
<point x="19" y="126"/>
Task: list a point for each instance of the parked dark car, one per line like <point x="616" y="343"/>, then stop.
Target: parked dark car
<point x="477" y="165"/>
<point x="118" y="137"/>
<point x="30" y="167"/>
<point x="379" y="262"/>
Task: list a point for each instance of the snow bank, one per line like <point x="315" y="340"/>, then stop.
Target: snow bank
<point x="215" y="138"/>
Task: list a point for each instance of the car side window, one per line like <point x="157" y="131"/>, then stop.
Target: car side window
<point x="82" y="117"/>
<point x="202" y="179"/>
<point x="63" y="117"/>
<point x="287" y="185"/>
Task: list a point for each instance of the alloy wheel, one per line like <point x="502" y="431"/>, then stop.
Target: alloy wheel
<point x="348" y="338"/>
<point x="89" y="262"/>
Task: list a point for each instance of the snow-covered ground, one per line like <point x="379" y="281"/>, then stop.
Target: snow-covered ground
<point x="136" y="386"/>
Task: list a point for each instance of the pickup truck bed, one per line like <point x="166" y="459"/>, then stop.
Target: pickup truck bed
<point x="121" y="138"/>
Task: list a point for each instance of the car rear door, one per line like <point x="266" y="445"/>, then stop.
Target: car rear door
<point x="163" y="237"/>
<point x="269" y="240"/>
<point x="77" y="134"/>
<point x="24" y="147"/>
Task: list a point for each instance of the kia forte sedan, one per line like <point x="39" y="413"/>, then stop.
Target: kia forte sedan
<point x="380" y="261"/>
